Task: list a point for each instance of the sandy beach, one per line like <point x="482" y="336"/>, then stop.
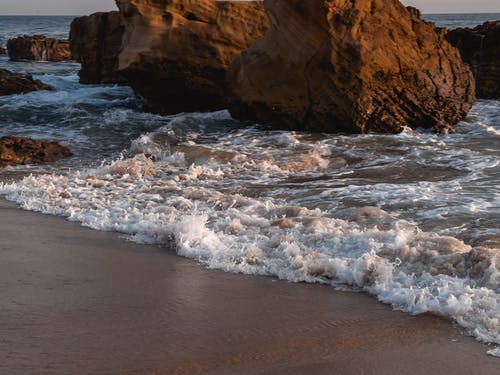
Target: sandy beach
<point x="79" y="301"/>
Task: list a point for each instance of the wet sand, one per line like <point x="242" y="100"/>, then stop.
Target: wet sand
<point x="77" y="301"/>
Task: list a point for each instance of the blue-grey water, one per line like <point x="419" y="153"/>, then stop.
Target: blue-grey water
<point x="413" y="219"/>
<point x="50" y="26"/>
<point x="453" y="21"/>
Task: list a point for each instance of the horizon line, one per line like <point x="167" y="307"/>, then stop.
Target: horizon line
<point x="103" y="11"/>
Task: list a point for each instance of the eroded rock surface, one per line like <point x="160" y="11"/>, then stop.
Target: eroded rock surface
<point x="96" y="42"/>
<point x="38" y="48"/>
<point x="176" y="52"/>
<point x="16" y="83"/>
<point x="17" y="150"/>
<point x="480" y="48"/>
<point x="351" y="66"/>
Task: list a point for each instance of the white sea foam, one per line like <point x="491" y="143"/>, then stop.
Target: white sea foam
<point x="393" y="259"/>
<point x="494" y="352"/>
<point x="230" y="203"/>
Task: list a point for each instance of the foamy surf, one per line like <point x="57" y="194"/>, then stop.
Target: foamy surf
<point x="494" y="352"/>
<point x="306" y="208"/>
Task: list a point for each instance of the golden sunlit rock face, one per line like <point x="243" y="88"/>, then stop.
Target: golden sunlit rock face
<point x="353" y="66"/>
<point x="176" y="52"/>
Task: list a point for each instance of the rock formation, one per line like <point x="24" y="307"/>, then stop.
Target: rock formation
<point x="176" y="52"/>
<point x="480" y="48"/>
<point x="16" y="151"/>
<point x="16" y="83"/>
<point x="3" y="51"/>
<point x="38" y="48"/>
<point x="350" y="66"/>
<point x="96" y="42"/>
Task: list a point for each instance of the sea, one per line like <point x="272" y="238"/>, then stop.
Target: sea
<point x="412" y="219"/>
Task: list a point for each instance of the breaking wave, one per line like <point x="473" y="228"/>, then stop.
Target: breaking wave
<point x="412" y="219"/>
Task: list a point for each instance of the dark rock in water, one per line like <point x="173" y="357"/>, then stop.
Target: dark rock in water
<point x="3" y="51"/>
<point x="96" y="42"/>
<point x="16" y="151"/>
<point x="38" y="48"/>
<point x="176" y="52"/>
<point x="16" y="83"/>
<point x="480" y="48"/>
<point x="350" y="66"/>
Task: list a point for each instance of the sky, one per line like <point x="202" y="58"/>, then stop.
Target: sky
<point x="80" y="7"/>
<point x="55" y="7"/>
<point x="455" y="6"/>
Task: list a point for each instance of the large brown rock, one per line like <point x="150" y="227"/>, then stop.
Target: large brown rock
<point x="351" y="66"/>
<point x="480" y="48"/>
<point x="17" y="150"/>
<point x="38" y="48"/>
<point x="16" y="83"/>
<point x="3" y="51"/>
<point x="176" y="52"/>
<point x="96" y="42"/>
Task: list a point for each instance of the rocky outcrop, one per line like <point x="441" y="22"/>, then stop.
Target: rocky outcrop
<point x="16" y="83"/>
<point x="16" y="151"/>
<point x="3" y="51"/>
<point x="38" y="48"/>
<point x="96" y="42"/>
<point x="480" y="48"/>
<point x="176" y="52"/>
<point x="350" y="66"/>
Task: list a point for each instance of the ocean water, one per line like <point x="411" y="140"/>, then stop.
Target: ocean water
<point x="413" y="219"/>
<point x="453" y="21"/>
<point x="53" y="27"/>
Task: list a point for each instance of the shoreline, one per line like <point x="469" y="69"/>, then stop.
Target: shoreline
<point x="75" y="300"/>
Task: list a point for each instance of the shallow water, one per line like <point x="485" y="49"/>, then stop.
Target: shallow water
<point x="413" y="219"/>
